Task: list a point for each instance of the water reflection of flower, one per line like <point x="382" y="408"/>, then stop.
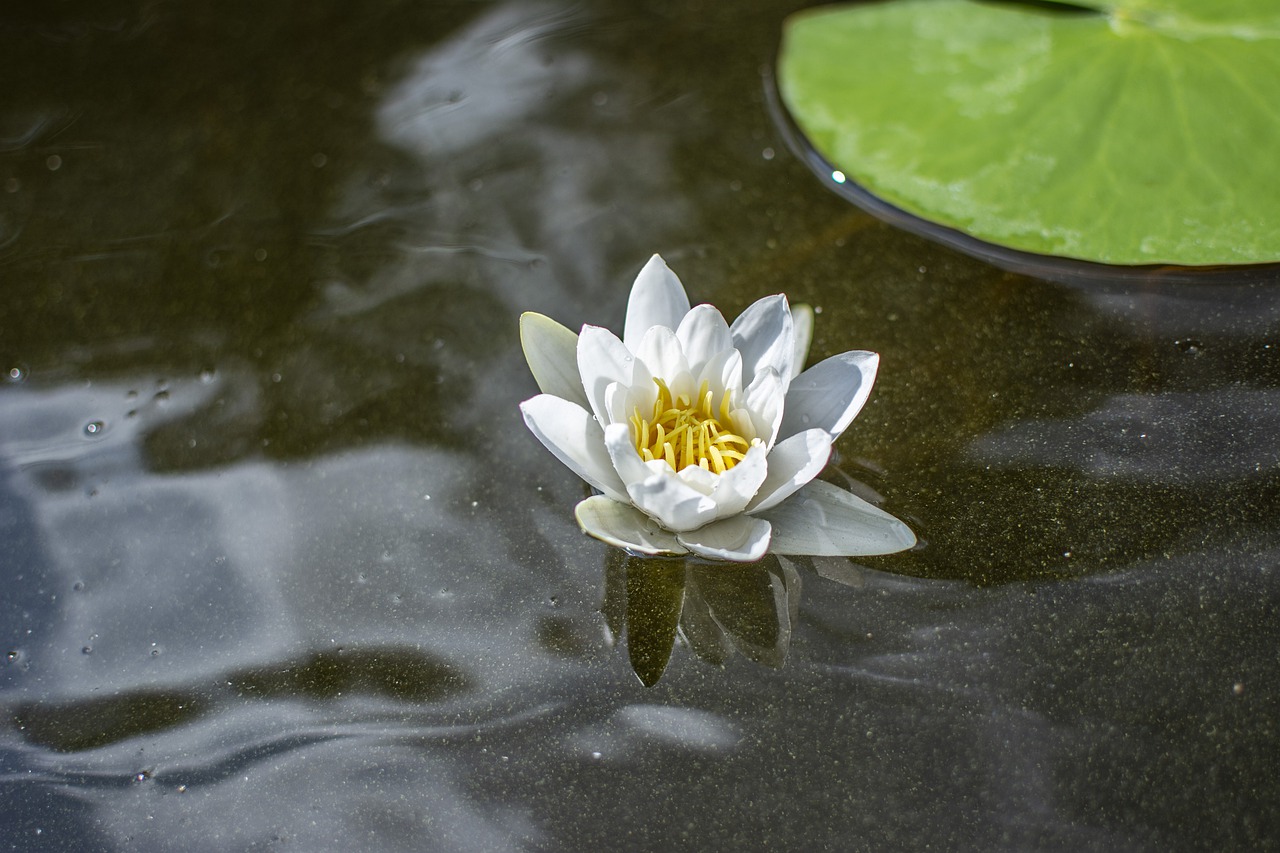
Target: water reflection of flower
<point x="704" y="437"/>
<point x="654" y="601"/>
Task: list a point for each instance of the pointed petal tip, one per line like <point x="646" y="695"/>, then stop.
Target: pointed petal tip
<point x="657" y="299"/>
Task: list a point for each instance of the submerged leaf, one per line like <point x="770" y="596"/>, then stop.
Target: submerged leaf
<point x="1129" y="132"/>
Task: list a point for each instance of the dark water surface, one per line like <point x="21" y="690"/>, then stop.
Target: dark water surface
<point x="282" y="568"/>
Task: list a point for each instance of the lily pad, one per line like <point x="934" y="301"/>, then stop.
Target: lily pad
<point x="1130" y="132"/>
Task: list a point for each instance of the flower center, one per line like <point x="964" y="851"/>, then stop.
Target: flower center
<point x="685" y="432"/>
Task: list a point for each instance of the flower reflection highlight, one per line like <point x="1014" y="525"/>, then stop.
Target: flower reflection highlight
<point x="703" y="437"/>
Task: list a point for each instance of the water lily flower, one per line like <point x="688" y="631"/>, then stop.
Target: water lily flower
<point x="704" y="437"/>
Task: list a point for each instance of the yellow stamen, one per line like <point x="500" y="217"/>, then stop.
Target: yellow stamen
<point x="684" y="433"/>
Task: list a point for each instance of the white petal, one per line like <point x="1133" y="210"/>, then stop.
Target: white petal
<point x="674" y="504"/>
<point x="765" y="336"/>
<point x="551" y="351"/>
<point x="662" y="354"/>
<point x="764" y="399"/>
<point x="656" y="489"/>
<point x="703" y="333"/>
<point x="742" y="538"/>
<point x="695" y="477"/>
<point x="829" y="394"/>
<point x="722" y="373"/>
<point x="657" y="299"/>
<point x="621" y="401"/>
<point x="793" y="462"/>
<point x="736" y="487"/>
<point x="802" y="322"/>
<point x="569" y="431"/>
<point x="623" y="525"/>
<point x="624" y="458"/>
<point x="602" y="360"/>
<point x="823" y="520"/>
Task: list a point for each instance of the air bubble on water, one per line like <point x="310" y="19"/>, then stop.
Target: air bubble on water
<point x="17" y="373"/>
<point x="87" y="650"/>
<point x="78" y="586"/>
<point x="155" y="650"/>
<point x="94" y="428"/>
<point x="161" y="397"/>
<point x="1190" y="346"/>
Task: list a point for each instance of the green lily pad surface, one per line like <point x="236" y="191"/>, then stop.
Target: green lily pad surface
<point x="1130" y="132"/>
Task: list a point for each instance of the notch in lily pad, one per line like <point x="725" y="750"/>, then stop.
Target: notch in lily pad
<point x="1137" y="133"/>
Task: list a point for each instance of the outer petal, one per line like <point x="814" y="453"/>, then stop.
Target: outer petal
<point x="655" y="489"/>
<point x="657" y="299"/>
<point x="603" y="360"/>
<point x="569" y="431"/>
<point x="829" y="394"/>
<point x="823" y="520"/>
<point x="551" y="351"/>
<point x="802" y="321"/>
<point x="792" y="463"/>
<point x="703" y="334"/>
<point x="742" y="538"/>
<point x="765" y="336"/>
<point x="625" y="526"/>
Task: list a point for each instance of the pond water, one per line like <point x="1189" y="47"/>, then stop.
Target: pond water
<point x="283" y="569"/>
